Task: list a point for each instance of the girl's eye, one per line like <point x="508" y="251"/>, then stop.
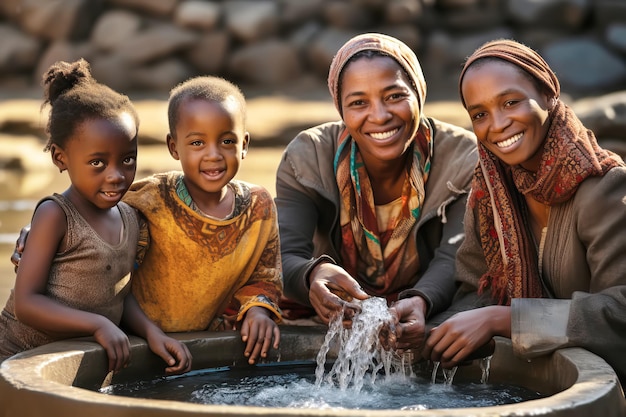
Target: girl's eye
<point x="97" y="163"/>
<point x="196" y="143"/>
<point x="130" y="160"/>
<point x="478" y="116"/>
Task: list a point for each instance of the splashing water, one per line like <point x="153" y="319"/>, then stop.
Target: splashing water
<point x="485" y="366"/>
<point x="361" y="356"/>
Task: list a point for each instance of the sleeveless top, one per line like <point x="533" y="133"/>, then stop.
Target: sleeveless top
<point x="90" y="275"/>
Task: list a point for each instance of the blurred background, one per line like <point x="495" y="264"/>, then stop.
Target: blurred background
<point x="273" y="44"/>
<point x="279" y="52"/>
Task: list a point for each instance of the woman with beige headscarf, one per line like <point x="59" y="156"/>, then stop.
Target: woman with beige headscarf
<point x="545" y="221"/>
<point x="372" y="205"/>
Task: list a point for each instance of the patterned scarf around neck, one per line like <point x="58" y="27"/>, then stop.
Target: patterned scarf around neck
<point x="361" y="244"/>
<point x="570" y="155"/>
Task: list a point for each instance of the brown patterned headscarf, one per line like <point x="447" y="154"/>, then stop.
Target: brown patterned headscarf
<point x="570" y="155"/>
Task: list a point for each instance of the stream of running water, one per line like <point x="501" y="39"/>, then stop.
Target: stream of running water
<point x="361" y="355"/>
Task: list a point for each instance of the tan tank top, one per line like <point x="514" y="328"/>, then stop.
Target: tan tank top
<point x="90" y="275"/>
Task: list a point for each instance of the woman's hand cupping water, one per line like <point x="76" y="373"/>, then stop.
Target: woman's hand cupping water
<point x="331" y="290"/>
<point x="407" y="331"/>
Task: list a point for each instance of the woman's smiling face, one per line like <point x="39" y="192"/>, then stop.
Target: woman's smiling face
<point x="509" y="112"/>
<point x="379" y="107"/>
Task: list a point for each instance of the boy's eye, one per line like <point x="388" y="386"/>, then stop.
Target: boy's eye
<point x="228" y="141"/>
<point x="97" y="163"/>
<point x="196" y="143"/>
<point x="130" y="160"/>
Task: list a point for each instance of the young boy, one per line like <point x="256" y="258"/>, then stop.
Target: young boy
<point x="214" y="243"/>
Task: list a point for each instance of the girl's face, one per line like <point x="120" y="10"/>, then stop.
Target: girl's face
<point x="509" y="113"/>
<point x="210" y="142"/>
<point x="380" y="108"/>
<point x="101" y="160"/>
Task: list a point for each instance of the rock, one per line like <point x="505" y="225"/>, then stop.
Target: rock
<point x="321" y="51"/>
<point x="158" y="41"/>
<point x="251" y="20"/>
<point x="62" y="51"/>
<point x="18" y="50"/>
<point x="210" y="51"/>
<point x="58" y="20"/>
<point x="152" y="7"/>
<point x="585" y="65"/>
<point x="114" y="28"/>
<point x="402" y="11"/>
<point x="604" y="115"/>
<point x="297" y="12"/>
<point x="616" y="36"/>
<point x="347" y="15"/>
<point x="555" y="13"/>
<point x="268" y="63"/>
<point x="162" y="75"/>
<point x="196" y="14"/>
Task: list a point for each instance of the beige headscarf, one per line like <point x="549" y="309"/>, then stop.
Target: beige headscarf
<point x="383" y="43"/>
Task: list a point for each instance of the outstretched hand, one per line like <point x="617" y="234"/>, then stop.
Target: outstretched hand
<point x="462" y="335"/>
<point x="257" y="332"/>
<point x="331" y="291"/>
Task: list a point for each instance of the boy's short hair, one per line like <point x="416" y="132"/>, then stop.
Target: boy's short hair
<point x="206" y="87"/>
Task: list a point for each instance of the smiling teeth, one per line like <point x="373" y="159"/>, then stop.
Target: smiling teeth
<point x="384" y="135"/>
<point x="510" y="141"/>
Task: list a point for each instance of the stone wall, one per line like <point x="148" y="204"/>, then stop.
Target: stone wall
<point x="154" y="44"/>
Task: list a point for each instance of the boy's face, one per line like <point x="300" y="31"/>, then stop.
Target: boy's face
<point x="210" y="142"/>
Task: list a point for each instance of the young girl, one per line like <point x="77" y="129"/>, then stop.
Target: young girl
<point x="214" y="245"/>
<point x="74" y="276"/>
<point x="545" y="220"/>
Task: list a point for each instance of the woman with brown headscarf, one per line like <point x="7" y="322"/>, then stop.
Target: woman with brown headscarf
<point x="545" y="221"/>
<point x="372" y="205"/>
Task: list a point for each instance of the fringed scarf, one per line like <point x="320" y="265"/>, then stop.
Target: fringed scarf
<point x="570" y="155"/>
<point x="379" y="266"/>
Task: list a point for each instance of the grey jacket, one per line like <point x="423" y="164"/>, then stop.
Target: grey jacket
<point x="584" y="267"/>
<point x="308" y="210"/>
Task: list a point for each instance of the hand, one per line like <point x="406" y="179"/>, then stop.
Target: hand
<point x="115" y="343"/>
<point x="458" y="338"/>
<point x="409" y="323"/>
<point x="19" y="246"/>
<point x="331" y="290"/>
<point x="173" y="352"/>
<point x="257" y="332"/>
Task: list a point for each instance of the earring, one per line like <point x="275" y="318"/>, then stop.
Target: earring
<point x="553" y="102"/>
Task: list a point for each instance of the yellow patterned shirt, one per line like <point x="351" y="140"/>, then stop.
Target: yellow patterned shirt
<point x="196" y="269"/>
